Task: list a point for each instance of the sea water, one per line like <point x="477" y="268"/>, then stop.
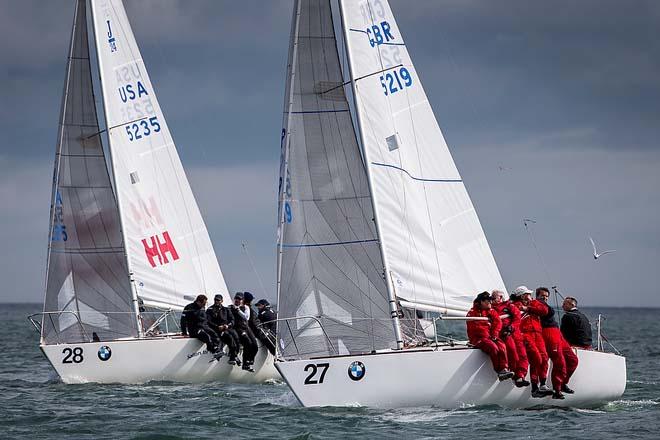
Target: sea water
<point x="35" y="405"/>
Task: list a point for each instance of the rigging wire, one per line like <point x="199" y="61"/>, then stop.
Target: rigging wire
<point x="254" y="269"/>
<point x="526" y="222"/>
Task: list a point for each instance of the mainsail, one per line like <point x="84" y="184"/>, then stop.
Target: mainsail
<point x="87" y="278"/>
<point x="329" y="261"/>
<point x="170" y="254"/>
<point x="436" y="251"/>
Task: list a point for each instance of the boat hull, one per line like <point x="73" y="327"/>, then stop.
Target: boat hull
<point x="176" y="359"/>
<point x="445" y="378"/>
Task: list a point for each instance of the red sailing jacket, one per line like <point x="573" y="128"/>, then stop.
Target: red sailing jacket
<point x="530" y="322"/>
<point x="478" y="330"/>
<point x="513" y="312"/>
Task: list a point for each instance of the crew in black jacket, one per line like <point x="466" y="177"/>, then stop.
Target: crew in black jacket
<point x="242" y="315"/>
<point x="193" y="323"/>
<point x="267" y="324"/>
<point x="221" y="320"/>
<point x="575" y="325"/>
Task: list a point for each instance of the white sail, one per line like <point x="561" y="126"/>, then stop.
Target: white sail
<point x="87" y="286"/>
<point x="169" y="250"/>
<point x="437" y="253"/>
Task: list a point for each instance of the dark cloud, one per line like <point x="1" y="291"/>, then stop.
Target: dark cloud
<point x="564" y="96"/>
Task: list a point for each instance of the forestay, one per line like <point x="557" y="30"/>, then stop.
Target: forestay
<point x="436" y="250"/>
<point x="329" y="262"/>
<point x="86" y="272"/>
<point x="169" y="250"/>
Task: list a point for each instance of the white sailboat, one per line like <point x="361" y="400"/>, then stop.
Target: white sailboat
<point x="375" y="221"/>
<point x="115" y="257"/>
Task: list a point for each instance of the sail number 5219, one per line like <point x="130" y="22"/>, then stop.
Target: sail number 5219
<point x="394" y="81"/>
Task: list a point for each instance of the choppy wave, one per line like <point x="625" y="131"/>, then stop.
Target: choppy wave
<point x="34" y="404"/>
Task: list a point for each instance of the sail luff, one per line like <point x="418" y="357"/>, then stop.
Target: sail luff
<point x="358" y="117"/>
<point x="99" y="61"/>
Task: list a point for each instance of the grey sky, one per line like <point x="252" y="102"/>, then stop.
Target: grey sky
<point x="564" y="96"/>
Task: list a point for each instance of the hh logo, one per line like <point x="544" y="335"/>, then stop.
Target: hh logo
<point x="158" y="249"/>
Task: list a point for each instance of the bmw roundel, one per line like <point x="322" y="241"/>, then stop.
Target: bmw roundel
<point x="356" y="370"/>
<point x="104" y="353"/>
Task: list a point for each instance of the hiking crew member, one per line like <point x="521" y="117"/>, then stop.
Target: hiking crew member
<point x="484" y="334"/>
<point x="268" y="324"/>
<point x="575" y="327"/>
<point x="564" y="360"/>
<point x="251" y="314"/>
<point x="242" y="327"/>
<point x="193" y="323"/>
<point x="530" y="326"/>
<point x="221" y="320"/>
<point x="510" y="331"/>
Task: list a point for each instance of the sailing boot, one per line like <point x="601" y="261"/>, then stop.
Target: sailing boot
<point x="566" y="389"/>
<point x="544" y="388"/>
<point x="520" y="382"/>
<point x="535" y="391"/>
<point x="558" y="395"/>
<point x="504" y="375"/>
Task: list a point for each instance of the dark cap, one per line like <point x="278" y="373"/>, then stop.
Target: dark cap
<point x="263" y="302"/>
<point x="248" y="297"/>
<point x="515" y="296"/>
<point x="218" y="297"/>
<point x="484" y="296"/>
<point x="238" y="295"/>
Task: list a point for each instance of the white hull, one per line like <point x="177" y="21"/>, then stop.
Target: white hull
<point x="176" y="359"/>
<point x="446" y="378"/>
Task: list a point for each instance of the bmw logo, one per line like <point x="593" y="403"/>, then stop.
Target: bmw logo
<point x="356" y="370"/>
<point x="104" y="353"/>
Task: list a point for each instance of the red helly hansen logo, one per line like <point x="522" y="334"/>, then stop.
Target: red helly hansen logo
<point x="159" y="249"/>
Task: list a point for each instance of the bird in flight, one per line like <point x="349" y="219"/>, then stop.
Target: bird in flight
<point x="597" y="254"/>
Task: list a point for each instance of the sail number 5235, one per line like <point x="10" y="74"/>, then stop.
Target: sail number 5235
<point x="142" y="128"/>
<point x="313" y="378"/>
<point x="395" y="80"/>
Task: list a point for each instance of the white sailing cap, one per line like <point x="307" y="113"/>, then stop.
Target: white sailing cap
<point x="521" y="290"/>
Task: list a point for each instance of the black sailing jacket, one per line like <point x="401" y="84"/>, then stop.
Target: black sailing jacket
<point x="576" y="328"/>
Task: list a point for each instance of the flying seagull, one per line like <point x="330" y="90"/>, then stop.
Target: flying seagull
<point x="597" y="254"/>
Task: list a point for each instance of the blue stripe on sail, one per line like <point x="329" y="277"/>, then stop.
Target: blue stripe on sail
<point x="358" y="30"/>
<point x="319" y="111"/>
<point x="393" y="44"/>
<point x="416" y="178"/>
<point x="328" y="244"/>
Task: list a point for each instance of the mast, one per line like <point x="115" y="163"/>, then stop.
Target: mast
<point x="394" y="312"/>
<point x="136" y="306"/>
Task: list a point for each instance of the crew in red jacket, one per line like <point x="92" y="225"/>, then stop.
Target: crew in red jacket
<point x="512" y="338"/>
<point x="530" y="326"/>
<point x="484" y="334"/>
<point x="564" y="359"/>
